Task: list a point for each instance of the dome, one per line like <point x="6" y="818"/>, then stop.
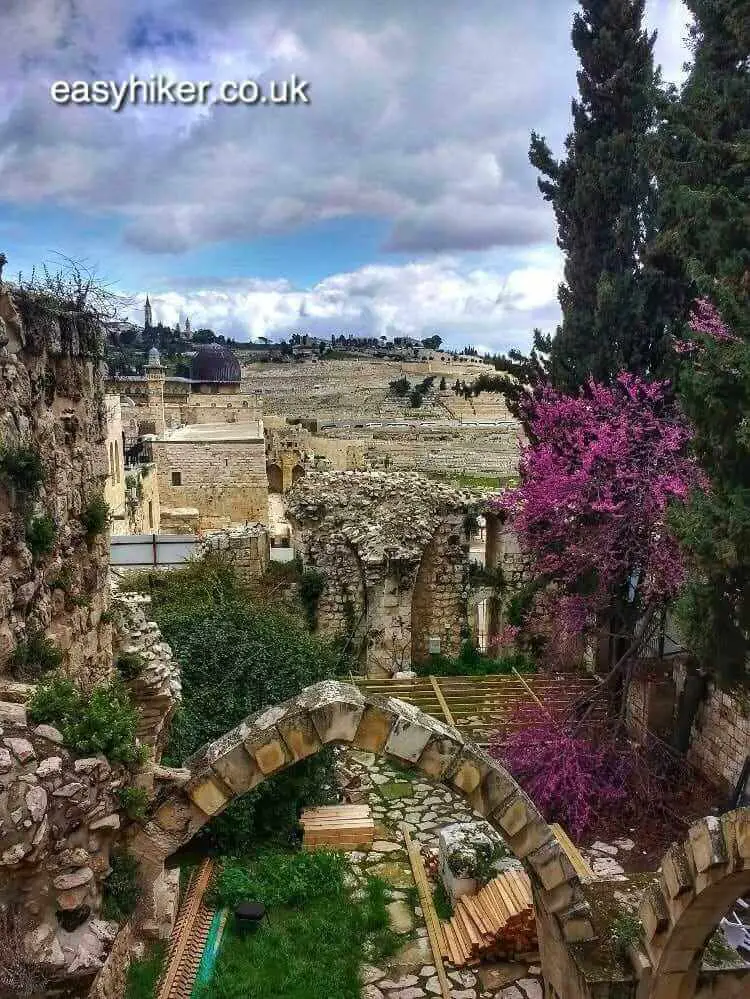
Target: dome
<point x="153" y="357"/>
<point x="215" y="363"/>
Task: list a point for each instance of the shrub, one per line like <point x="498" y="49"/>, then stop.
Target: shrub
<point x="400" y="387"/>
<point x="34" y="656"/>
<point x="471" y="662"/>
<point x="282" y="878"/>
<point x="129" y="665"/>
<point x="415" y="398"/>
<point x="95" y="517"/>
<point x="134" y="801"/>
<point x="120" y="893"/>
<point x="144" y="974"/>
<point x="102" y="721"/>
<point x="22" y="468"/>
<point x="309" y="590"/>
<point x="238" y="656"/>
<point x="40" y="535"/>
<point x="626" y="931"/>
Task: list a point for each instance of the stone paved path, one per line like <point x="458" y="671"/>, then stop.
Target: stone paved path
<point x="397" y="796"/>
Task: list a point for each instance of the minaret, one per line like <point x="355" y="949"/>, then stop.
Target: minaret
<point x="147" y="315"/>
<point x="155" y="376"/>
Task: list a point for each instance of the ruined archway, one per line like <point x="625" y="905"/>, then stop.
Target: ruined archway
<point x="275" y="478"/>
<point x="332" y="712"/>
<point x="699" y="880"/>
<point x="438" y="607"/>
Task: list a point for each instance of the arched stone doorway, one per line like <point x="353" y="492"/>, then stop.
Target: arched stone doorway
<point x="699" y="880"/>
<point x="332" y="712"/>
<point x="297" y="472"/>
<point x="275" y="478"/>
<point x="438" y="608"/>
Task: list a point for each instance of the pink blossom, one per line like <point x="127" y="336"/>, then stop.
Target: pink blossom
<point x="592" y="504"/>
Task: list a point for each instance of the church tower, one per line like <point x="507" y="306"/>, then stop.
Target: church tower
<point x="147" y="315"/>
<point x="155" y="377"/>
<point x="188" y="329"/>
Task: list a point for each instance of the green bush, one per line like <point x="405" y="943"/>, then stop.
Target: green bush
<point x="34" y="656"/>
<point x="309" y="590"/>
<point x="129" y="665"/>
<point x="95" y="517"/>
<point x="120" y="892"/>
<point x="22" y="468"/>
<point x="40" y="535"/>
<point x="238" y="656"/>
<point x="102" y="721"/>
<point x="281" y="878"/>
<point x="134" y="801"/>
<point x="144" y="974"/>
<point x="471" y="662"/>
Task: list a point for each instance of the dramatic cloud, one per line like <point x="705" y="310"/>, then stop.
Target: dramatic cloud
<point x="414" y="299"/>
<point x="419" y="119"/>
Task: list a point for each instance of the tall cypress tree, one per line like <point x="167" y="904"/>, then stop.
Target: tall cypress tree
<point x="604" y="199"/>
<point x="704" y="244"/>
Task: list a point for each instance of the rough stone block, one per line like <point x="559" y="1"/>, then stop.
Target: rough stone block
<point x="742" y="832"/>
<point x="208" y="795"/>
<point x="676" y="871"/>
<point x="336" y="710"/>
<point x="409" y="736"/>
<point x="533" y="836"/>
<point x="551" y="864"/>
<point x="300" y="735"/>
<point x="653" y="912"/>
<point x="237" y="769"/>
<point x="493" y="791"/>
<point x="471" y="767"/>
<point x="707" y="843"/>
<point x="375" y="726"/>
<point x="576" y="924"/>
<point x="514" y="815"/>
<point x="439" y="754"/>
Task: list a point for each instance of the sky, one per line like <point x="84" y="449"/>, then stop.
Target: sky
<point x="398" y="201"/>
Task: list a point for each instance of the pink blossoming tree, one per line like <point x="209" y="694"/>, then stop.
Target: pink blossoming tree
<point x="591" y="508"/>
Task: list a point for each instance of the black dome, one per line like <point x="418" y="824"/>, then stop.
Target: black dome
<point x="215" y="363"/>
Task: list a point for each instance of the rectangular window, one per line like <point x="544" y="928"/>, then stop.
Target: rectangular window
<point x="150" y="515"/>
<point x="176" y="478"/>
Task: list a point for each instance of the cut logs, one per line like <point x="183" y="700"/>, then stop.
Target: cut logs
<point x="497" y="923"/>
<point x="337" y="827"/>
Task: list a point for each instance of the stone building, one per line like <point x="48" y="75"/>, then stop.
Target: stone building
<point x="214" y="473"/>
<point x="212" y="393"/>
<point x="394" y="553"/>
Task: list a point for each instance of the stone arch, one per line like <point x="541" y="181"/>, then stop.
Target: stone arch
<point x="698" y="882"/>
<point x="331" y="712"/>
<point x="275" y="477"/>
<point x="297" y="472"/>
<point x="438" y="607"/>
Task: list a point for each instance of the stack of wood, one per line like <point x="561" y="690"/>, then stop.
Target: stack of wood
<point x="495" y="924"/>
<point x="337" y="827"/>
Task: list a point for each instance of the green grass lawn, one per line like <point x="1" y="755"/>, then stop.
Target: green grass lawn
<point x="314" y="947"/>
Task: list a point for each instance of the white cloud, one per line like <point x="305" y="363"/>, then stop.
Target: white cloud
<point x="443" y="295"/>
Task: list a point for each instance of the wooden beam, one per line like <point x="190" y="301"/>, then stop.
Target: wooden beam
<point x="441" y="701"/>
<point x="434" y="931"/>
<point x="580" y="866"/>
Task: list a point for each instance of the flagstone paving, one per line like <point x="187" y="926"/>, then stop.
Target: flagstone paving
<point x="424" y="808"/>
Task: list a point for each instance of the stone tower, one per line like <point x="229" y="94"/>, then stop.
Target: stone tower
<point x="147" y="315"/>
<point x="155" y="376"/>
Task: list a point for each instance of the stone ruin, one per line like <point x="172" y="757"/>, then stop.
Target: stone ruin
<point x="393" y="551"/>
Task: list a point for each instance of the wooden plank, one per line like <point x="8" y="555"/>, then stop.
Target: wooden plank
<point x="441" y="701"/>
<point x="580" y="866"/>
<point x="434" y="931"/>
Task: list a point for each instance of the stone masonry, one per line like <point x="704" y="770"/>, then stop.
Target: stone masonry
<point x="246" y="548"/>
<point x="394" y="554"/>
<point x="51" y="400"/>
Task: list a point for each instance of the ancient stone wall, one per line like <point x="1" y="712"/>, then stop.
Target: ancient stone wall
<point x="247" y="549"/>
<point x="720" y="738"/>
<point x="394" y="554"/>
<point x="52" y="402"/>
<point x="224" y="480"/>
<point x="142" y="503"/>
<point x="157" y="689"/>
<point x="440" y="593"/>
<point x="58" y="817"/>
